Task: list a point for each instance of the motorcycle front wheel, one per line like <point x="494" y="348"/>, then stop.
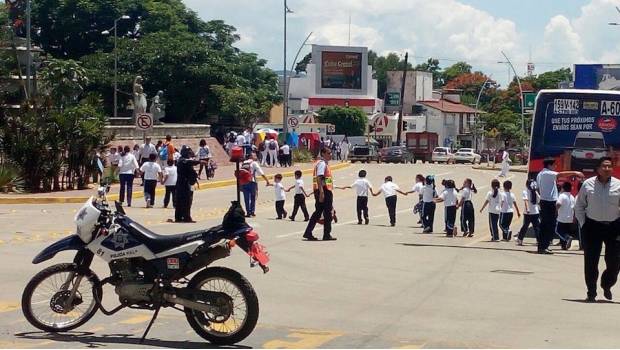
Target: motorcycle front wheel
<point x="237" y="316"/>
<point x="45" y="301"/>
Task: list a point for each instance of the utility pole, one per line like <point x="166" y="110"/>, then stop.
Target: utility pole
<point x="402" y="101"/>
<point x="28" y="50"/>
<point x="285" y="81"/>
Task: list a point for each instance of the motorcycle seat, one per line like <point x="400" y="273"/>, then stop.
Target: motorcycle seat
<point x="158" y="243"/>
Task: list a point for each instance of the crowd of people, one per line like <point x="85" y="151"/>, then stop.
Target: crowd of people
<point x="159" y="164"/>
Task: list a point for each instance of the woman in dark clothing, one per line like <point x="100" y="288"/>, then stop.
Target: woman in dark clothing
<point x="186" y="179"/>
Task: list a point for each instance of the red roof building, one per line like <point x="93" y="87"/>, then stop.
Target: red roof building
<point x="453" y="122"/>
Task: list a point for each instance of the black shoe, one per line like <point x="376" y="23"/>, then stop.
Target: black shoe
<point x="285" y="214"/>
<point x="509" y="235"/>
<point x="590" y="299"/>
<point x="329" y="238"/>
<point x="248" y="215"/>
<point x="291" y="218"/>
<point x="393" y="224"/>
<point x="427" y="230"/>
<point x="607" y="294"/>
<point x="307" y="219"/>
<point x="366" y="221"/>
<point x="253" y="215"/>
<point x="335" y="218"/>
<point x="569" y="243"/>
<point x="545" y="252"/>
<point x="310" y="238"/>
<point x="359" y="222"/>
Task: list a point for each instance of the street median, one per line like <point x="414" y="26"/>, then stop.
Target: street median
<point x="26" y="199"/>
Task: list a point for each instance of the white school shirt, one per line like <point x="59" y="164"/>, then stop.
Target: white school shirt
<point x="494" y="202"/>
<point x="418" y="187"/>
<point x="466" y="194"/>
<point x="389" y="189"/>
<point x="279" y="191"/>
<point x="362" y="186"/>
<point x="150" y="170"/>
<point x="286" y="150"/>
<point x="449" y="197"/>
<point x="533" y="209"/>
<point x="508" y="201"/>
<point x="428" y="193"/>
<point x="299" y="184"/>
<point x="114" y="159"/>
<point x="567" y="208"/>
<point x="240" y="140"/>
<point x="171" y="172"/>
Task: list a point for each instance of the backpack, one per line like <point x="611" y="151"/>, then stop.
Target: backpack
<point x="272" y="145"/>
<point x="261" y="146"/>
<point x="245" y="173"/>
<point x="163" y="152"/>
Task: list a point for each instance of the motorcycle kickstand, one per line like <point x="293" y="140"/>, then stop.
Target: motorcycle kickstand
<point x="148" y="328"/>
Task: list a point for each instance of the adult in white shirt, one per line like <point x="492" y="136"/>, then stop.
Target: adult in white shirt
<point x="597" y="210"/>
<point x="286" y="154"/>
<point x="344" y="149"/>
<point x="362" y="186"/>
<point x="272" y="148"/>
<point x="250" y="190"/>
<point x="531" y="214"/>
<point x="169" y="180"/>
<point x="152" y="173"/>
<point x="566" y="215"/>
<point x="127" y="167"/>
<point x="389" y="190"/>
<point x="505" y="164"/>
<point x="547" y="187"/>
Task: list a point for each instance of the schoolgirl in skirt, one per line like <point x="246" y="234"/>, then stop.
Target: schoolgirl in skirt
<point x="468" y="214"/>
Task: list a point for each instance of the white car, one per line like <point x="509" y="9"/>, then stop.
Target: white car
<point x="442" y="155"/>
<point x="466" y="155"/>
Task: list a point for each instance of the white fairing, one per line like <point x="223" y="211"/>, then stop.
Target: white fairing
<point x="86" y="220"/>
<point x="185" y="248"/>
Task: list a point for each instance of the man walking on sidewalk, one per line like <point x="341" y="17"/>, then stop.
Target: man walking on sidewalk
<point x="323" y="185"/>
<point x="598" y="211"/>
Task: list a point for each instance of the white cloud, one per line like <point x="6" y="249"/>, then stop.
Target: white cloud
<point x="562" y="41"/>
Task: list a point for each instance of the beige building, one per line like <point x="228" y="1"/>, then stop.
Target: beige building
<point x="418" y="87"/>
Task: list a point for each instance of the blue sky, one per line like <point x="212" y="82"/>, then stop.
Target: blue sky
<point x="556" y="32"/>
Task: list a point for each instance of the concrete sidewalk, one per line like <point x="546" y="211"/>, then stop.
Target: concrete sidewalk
<point x="224" y="176"/>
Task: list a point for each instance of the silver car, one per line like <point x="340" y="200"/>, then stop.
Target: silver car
<point x="467" y="155"/>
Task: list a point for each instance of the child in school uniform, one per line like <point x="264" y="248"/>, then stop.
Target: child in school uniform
<point x="300" y="196"/>
<point x="467" y="208"/>
<point x="450" y="199"/>
<point x="279" y="191"/>
<point x="417" y="188"/>
<point x="428" y="204"/>
<point x="493" y="201"/>
<point x="531" y="210"/>
<point x="362" y="186"/>
<point x="389" y="190"/>
<point x="508" y="205"/>
<point x="566" y="215"/>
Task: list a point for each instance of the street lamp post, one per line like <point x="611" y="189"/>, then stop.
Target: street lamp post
<point x="107" y="32"/>
<point x="484" y="85"/>
<point x="520" y="91"/>
<point x="285" y="90"/>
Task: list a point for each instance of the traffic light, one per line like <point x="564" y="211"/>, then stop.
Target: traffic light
<point x="371" y="128"/>
<point x="404" y="125"/>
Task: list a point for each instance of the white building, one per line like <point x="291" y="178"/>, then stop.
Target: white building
<point x="336" y="76"/>
<point x="452" y="121"/>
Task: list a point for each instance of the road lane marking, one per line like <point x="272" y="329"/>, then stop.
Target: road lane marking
<point x="8" y="306"/>
<point x="137" y="319"/>
<point x="305" y="339"/>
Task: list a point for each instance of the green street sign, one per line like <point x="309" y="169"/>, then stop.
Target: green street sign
<point x="529" y="101"/>
<point x="392" y="99"/>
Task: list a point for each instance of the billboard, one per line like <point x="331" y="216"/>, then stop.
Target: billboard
<point x="577" y="128"/>
<point x="341" y="70"/>
<point x="597" y="76"/>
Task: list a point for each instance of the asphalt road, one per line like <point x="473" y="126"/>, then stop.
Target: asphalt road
<point x="376" y="286"/>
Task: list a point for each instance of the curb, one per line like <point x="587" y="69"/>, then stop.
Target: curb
<point x="498" y="169"/>
<point x="140" y="194"/>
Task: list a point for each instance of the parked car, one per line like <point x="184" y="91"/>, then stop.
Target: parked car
<point x="364" y="153"/>
<point x="395" y="154"/>
<point x="443" y="155"/>
<point x="467" y="155"/>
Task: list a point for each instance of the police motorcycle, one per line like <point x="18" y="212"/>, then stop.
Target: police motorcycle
<point x="148" y="271"/>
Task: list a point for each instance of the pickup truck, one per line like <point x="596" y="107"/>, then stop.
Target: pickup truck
<point x="364" y="153"/>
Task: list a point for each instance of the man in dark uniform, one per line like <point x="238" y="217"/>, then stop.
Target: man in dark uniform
<point x="323" y="185"/>
<point x="186" y="179"/>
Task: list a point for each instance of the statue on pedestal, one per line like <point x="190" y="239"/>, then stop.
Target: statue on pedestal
<point x="139" y="97"/>
<point x="158" y="108"/>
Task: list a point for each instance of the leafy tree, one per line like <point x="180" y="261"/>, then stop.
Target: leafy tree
<point x="348" y="120"/>
<point x="506" y="122"/>
<point x="301" y="65"/>
<point x="383" y="64"/>
<point x="455" y="71"/>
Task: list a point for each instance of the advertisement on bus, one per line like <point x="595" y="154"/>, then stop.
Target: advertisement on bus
<point x="577" y="128"/>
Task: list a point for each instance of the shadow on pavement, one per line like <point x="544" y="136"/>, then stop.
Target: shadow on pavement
<point x="583" y="301"/>
<point x="557" y="253"/>
<point x="93" y="341"/>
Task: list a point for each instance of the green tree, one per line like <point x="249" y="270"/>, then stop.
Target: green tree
<point x="301" y="65"/>
<point x="348" y="120"/>
<point x="432" y="66"/>
<point x="506" y="122"/>
<point x="383" y="64"/>
<point x="455" y="70"/>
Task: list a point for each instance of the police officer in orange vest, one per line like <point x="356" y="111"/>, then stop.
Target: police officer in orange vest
<point x="323" y="185"/>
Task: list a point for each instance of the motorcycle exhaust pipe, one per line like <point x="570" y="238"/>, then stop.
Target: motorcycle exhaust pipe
<point x="172" y="298"/>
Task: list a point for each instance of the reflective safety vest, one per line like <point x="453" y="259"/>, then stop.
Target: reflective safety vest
<point x="329" y="181"/>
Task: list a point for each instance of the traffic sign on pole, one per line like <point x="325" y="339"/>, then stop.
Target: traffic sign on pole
<point x="392" y="99"/>
<point x="293" y="122"/>
<point x="529" y="101"/>
<point x="144" y="121"/>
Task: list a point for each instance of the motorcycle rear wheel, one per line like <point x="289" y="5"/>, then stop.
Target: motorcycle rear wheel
<point x="44" y="292"/>
<point x="219" y="331"/>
